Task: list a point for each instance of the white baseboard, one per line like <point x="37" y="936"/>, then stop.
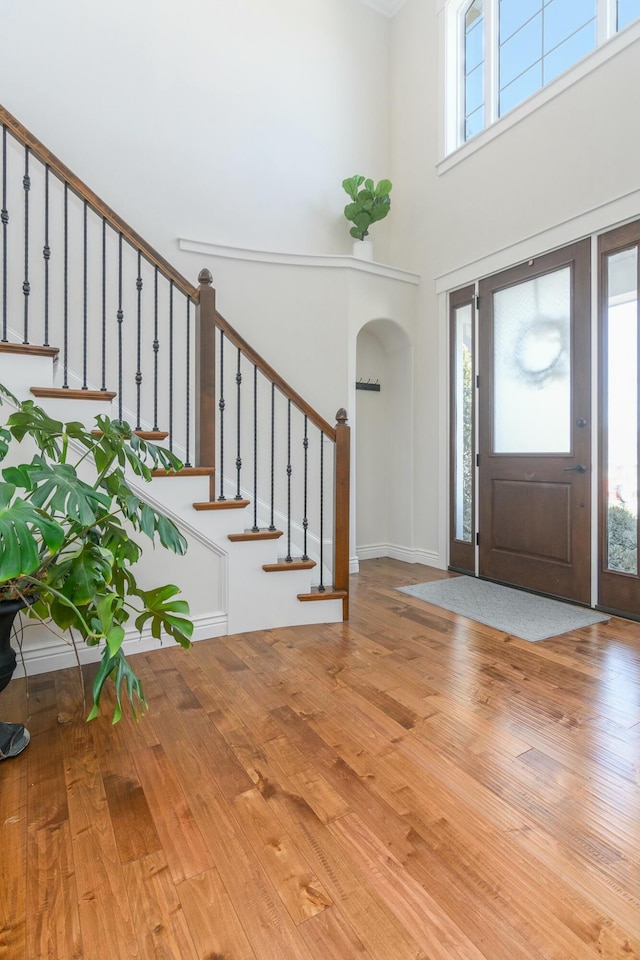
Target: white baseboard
<point x="354" y="564"/>
<point x="45" y="653"/>
<point x="373" y="551"/>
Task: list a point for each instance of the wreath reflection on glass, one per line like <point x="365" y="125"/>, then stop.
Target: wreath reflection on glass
<point x="542" y="350"/>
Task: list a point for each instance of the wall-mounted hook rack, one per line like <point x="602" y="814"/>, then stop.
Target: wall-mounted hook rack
<point x="367" y="385"/>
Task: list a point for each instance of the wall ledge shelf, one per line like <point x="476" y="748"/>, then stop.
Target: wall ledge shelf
<point x="331" y="261"/>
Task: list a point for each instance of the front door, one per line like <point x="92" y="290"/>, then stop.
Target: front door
<point x="534" y="425"/>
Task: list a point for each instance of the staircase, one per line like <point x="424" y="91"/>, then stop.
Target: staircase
<point x="96" y="321"/>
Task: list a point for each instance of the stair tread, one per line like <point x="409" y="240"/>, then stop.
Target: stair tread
<point x="221" y="505"/>
<point x="143" y="434"/>
<point x="65" y="393"/>
<point x="185" y="472"/>
<point x="29" y="349"/>
<point x="282" y="565"/>
<point x="328" y="594"/>
<point x="255" y="535"/>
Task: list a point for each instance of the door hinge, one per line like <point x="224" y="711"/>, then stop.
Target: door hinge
<point x="477" y="459"/>
<point x="477" y="539"/>
<point x="477" y="301"/>
<point x="478" y="382"/>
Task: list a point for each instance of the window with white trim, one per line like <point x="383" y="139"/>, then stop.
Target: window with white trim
<point x="507" y="50"/>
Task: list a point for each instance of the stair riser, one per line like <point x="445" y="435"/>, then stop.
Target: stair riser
<point x="19" y="373"/>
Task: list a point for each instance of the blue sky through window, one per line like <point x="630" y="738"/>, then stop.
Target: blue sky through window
<point x="539" y="39"/>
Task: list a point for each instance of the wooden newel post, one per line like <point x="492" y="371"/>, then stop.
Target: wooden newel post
<point x="205" y="411"/>
<point x="341" y="506"/>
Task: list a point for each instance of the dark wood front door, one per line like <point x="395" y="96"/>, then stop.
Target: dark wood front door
<point x="535" y="425"/>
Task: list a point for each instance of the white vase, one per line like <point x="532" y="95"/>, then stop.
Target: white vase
<point x="363" y="249"/>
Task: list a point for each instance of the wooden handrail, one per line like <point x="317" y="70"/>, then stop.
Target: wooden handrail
<point x="56" y="166"/>
<point x="275" y="377"/>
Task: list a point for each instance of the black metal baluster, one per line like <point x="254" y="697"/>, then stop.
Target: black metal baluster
<point x="188" y="384"/>
<point x="273" y="448"/>
<point x="255" y="527"/>
<point x="321" y="586"/>
<point x="84" y="298"/>
<point x="171" y="365"/>
<point x="305" y="520"/>
<point x="139" y="342"/>
<point x="238" y="495"/>
<point x="104" y="305"/>
<point x="221" y="406"/>
<point x="156" y="348"/>
<point x="26" y="286"/>
<point x="288" y="557"/>
<point x="65" y="283"/>
<point x="46" y="253"/>
<point x="120" y="319"/>
<point x="4" y="216"/>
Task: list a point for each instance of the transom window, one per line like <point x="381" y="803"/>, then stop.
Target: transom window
<point x="509" y="49"/>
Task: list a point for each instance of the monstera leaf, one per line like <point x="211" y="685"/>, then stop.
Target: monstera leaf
<point x="20" y="545"/>
<point x="166" y="614"/>
<point x="61" y="491"/>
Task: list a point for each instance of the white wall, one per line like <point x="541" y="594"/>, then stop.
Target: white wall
<point x="232" y="122"/>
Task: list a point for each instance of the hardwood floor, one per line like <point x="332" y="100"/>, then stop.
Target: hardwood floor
<point x="409" y="785"/>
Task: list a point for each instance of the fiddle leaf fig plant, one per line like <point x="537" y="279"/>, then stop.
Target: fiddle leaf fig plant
<point x="66" y="544"/>
<point x="369" y="203"/>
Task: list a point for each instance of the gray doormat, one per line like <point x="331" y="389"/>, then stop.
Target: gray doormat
<point x="512" y="611"/>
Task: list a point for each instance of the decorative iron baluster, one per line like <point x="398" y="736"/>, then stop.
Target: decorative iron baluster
<point x="139" y="342"/>
<point x="65" y="284"/>
<point x="288" y="557"/>
<point x="84" y="297"/>
<point x="171" y="365"/>
<point x="4" y="216"/>
<point x="156" y="347"/>
<point x="255" y="527"/>
<point x="104" y="304"/>
<point x="26" y="286"/>
<point x="238" y="495"/>
<point x="120" y="319"/>
<point x="188" y="384"/>
<point x="46" y="253"/>
<point x="221" y="406"/>
<point x="272" y="526"/>
<point x="321" y="586"/>
<point x="305" y="520"/>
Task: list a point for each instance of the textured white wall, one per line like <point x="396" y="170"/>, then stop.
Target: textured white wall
<point x="232" y="122"/>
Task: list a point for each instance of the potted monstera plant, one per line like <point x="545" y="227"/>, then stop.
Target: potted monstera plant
<point x="69" y="521"/>
<point x="369" y="203"/>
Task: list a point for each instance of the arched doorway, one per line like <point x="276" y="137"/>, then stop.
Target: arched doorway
<point x="383" y="442"/>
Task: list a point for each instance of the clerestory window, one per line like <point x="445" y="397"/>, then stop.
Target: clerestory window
<point x="510" y="49"/>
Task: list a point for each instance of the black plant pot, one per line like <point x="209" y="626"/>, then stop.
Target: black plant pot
<point x="8" y="611"/>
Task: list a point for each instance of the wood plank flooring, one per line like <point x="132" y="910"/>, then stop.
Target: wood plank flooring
<point x="407" y="786"/>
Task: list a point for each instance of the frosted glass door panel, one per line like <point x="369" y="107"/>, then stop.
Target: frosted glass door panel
<point x="622" y="412"/>
<point x="532" y="365"/>
<point x="463" y="422"/>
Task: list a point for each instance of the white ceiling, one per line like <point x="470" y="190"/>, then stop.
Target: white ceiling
<point x="387" y="7"/>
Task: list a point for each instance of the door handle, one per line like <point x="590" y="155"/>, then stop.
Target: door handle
<point x="580" y="468"/>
